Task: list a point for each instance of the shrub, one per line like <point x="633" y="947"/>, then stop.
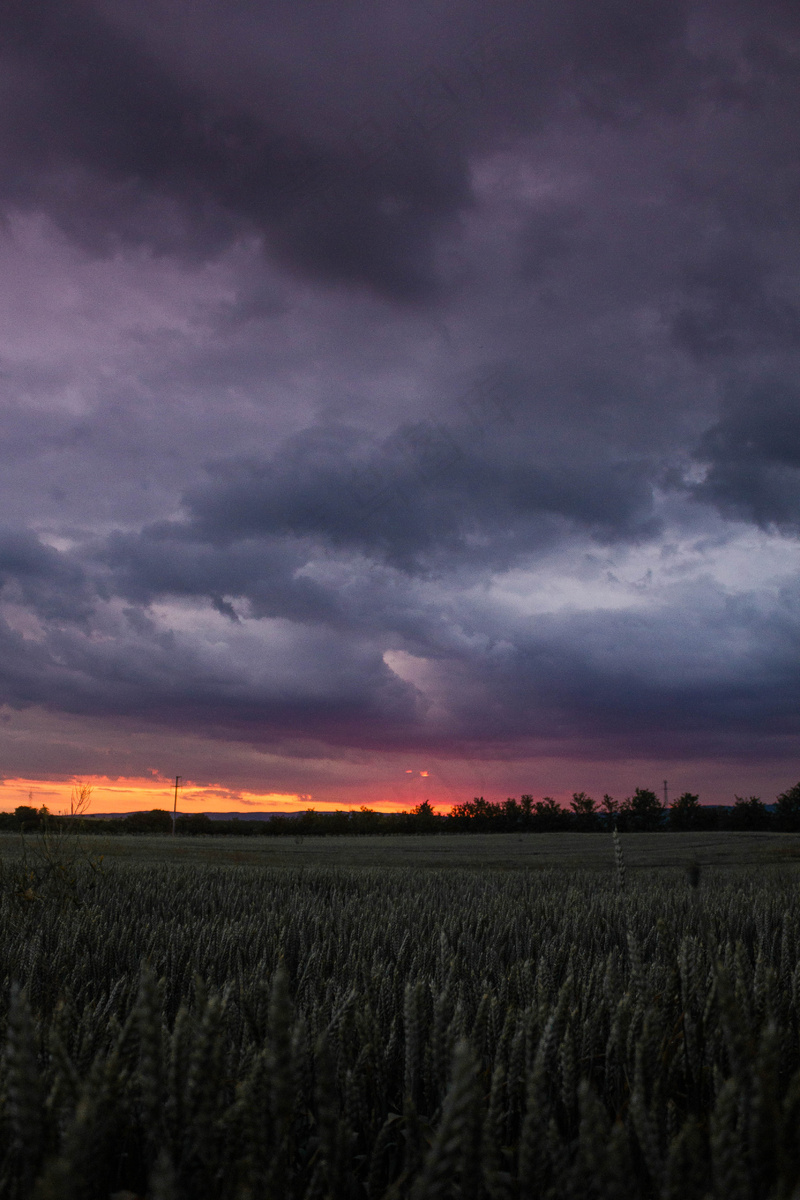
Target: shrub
<point x="158" y="820"/>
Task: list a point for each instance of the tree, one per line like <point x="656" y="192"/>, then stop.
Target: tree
<point x="80" y="798"/>
<point x="642" y="811"/>
<point x="511" y="813"/>
<point x="193" y="824"/>
<point x="609" y="807"/>
<point x="424" y="817"/>
<point x="475" y="814"/>
<point x="158" y="820"/>
<point x="585" y="811"/>
<point x="307" y="820"/>
<point x="366" y="820"/>
<point x="549" y="815"/>
<point x="683" y="812"/>
<point x="748" y="814"/>
<point x="787" y="809"/>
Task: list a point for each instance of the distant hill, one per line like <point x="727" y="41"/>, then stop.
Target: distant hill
<point x="261" y="815"/>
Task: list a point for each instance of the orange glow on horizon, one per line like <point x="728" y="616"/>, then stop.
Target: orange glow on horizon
<point x="120" y="795"/>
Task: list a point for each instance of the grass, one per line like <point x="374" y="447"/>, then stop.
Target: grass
<point x="503" y="851"/>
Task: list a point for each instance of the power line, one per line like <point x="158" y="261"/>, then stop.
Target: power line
<point x="175" y="803"/>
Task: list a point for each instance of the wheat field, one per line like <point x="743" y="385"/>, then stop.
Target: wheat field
<point x="179" y="1031"/>
<point x="646" y="852"/>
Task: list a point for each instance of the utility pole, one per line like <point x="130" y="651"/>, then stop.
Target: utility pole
<point x="666" y="800"/>
<point x="175" y="803"/>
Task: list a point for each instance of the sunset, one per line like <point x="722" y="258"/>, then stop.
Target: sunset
<point x="399" y="599"/>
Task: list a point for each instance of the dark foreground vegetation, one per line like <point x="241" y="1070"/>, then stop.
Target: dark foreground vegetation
<point x="641" y="812"/>
<point x="178" y="1032"/>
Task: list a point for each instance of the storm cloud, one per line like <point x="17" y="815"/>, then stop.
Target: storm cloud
<point x="401" y="379"/>
<point x="752" y="455"/>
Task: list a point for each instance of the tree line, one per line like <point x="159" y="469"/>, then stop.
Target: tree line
<point x="641" y="812"/>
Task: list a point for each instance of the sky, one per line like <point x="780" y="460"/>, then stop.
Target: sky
<point x="400" y="400"/>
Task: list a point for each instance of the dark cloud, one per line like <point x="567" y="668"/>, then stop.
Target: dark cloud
<point x="548" y="236"/>
<point x="105" y="106"/>
<point x="732" y="307"/>
<point x="721" y="679"/>
<point x="167" y="560"/>
<point x="623" y="56"/>
<point x="603" y="674"/>
<point x="753" y="458"/>
<point x="112" y="141"/>
<point x="353" y="358"/>
<point x="257" y="692"/>
<point x="350" y="178"/>
<point x="425" y="496"/>
<point x="32" y="574"/>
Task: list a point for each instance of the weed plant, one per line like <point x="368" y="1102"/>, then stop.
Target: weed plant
<point x="241" y="1033"/>
<point x="54" y="865"/>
